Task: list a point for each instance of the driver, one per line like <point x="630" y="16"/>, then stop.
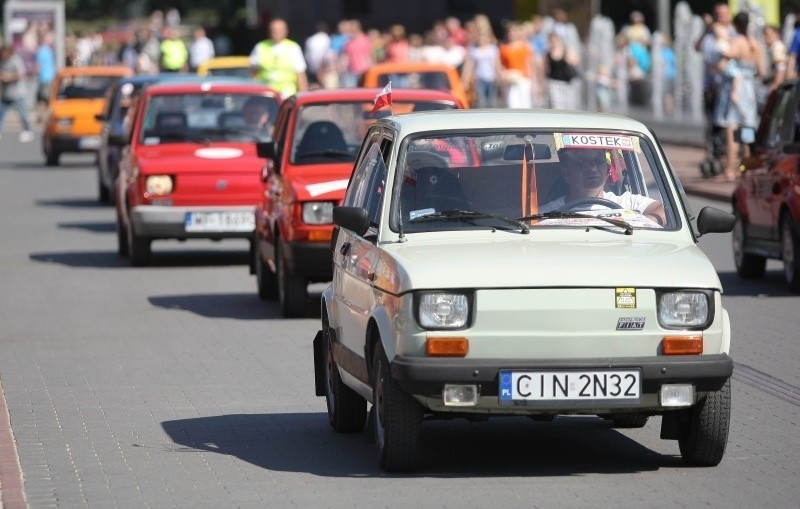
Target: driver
<point x="256" y="112"/>
<point x="585" y="172"/>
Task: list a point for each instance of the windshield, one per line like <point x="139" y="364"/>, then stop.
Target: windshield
<point x="435" y="80"/>
<point x="195" y="118"/>
<point x="85" y="87"/>
<point x="566" y="179"/>
<point x="332" y="132"/>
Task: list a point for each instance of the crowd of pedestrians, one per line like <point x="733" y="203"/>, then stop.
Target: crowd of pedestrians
<point x="539" y="62"/>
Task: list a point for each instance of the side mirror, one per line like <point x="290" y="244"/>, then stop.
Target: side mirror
<point x="713" y="220"/>
<point x="351" y="218"/>
<point x="266" y="149"/>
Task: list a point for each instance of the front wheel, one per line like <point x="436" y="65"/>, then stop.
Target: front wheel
<point x="703" y="433"/>
<point x="139" y="249"/>
<point x="397" y="418"/>
<point x="122" y="238"/>
<point x="347" y="411"/>
<point x="790" y="253"/>
<point x="266" y="281"/>
<point x="292" y="289"/>
<point x="748" y="266"/>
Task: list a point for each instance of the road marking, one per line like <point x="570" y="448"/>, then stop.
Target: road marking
<point x="766" y="383"/>
<point x="12" y="493"/>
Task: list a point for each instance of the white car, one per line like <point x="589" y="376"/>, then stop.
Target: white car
<point x="521" y="262"/>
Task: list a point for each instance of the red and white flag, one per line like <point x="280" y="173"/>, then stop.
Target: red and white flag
<point x="384" y="98"/>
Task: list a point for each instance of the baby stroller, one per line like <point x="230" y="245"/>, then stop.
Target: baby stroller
<point x="714" y="139"/>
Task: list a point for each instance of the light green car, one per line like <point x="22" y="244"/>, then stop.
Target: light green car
<point x="521" y="262"/>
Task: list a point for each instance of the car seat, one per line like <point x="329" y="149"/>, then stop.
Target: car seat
<point x="231" y="120"/>
<point x="171" y="122"/>
<point x="438" y="189"/>
<point x="320" y="137"/>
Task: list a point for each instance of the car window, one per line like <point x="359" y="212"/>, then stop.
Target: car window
<point x="519" y="174"/>
<point x="435" y="80"/>
<point x="368" y="184"/>
<point x="775" y="121"/>
<point x="333" y="132"/>
<point x="208" y="117"/>
<point x="84" y="87"/>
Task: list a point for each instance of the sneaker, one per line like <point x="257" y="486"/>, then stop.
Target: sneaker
<point x="26" y="136"/>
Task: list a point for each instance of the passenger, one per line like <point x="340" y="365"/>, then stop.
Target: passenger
<point x="586" y="171"/>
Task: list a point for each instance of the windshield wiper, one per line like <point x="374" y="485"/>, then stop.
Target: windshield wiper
<point x="560" y="214"/>
<point x="463" y="215"/>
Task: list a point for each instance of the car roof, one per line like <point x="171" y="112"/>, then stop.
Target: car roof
<point x="455" y="120"/>
<point x="362" y="94"/>
<point x="389" y="67"/>
<point x="218" y="85"/>
<point x="96" y="70"/>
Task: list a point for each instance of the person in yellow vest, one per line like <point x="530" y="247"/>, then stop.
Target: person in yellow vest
<point x="174" y="54"/>
<point x="279" y="61"/>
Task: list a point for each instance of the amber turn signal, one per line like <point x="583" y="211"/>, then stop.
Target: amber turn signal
<point x="447" y="347"/>
<point x="682" y="345"/>
<point x="320" y="235"/>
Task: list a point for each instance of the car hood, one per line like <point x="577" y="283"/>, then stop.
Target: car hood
<point x="327" y="182"/>
<point x="527" y="262"/>
<point x="198" y="158"/>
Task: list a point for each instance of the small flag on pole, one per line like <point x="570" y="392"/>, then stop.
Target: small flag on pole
<point x="384" y="98"/>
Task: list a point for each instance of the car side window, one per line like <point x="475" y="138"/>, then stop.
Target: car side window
<point x="776" y="119"/>
<point x="369" y="182"/>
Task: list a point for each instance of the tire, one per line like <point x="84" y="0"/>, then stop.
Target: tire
<point x="748" y="266"/>
<point x="790" y="254"/>
<point x="122" y="238"/>
<point x="347" y="411"/>
<point x="139" y="249"/>
<point x="716" y="167"/>
<point x="703" y="434"/>
<point x="103" y="194"/>
<point x="705" y="169"/>
<point x="52" y="157"/>
<point x="266" y="281"/>
<point x="628" y="421"/>
<point x="397" y="418"/>
<point x="292" y="289"/>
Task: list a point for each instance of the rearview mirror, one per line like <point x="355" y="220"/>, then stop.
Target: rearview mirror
<point x="351" y="218"/>
<point x="266" y="149"/>
<point x="532" y="151"/>
<point x="713" y="220"/>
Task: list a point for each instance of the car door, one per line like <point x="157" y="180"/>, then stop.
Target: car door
<point x="768" y="161"/>
<point x="355" y="255"/>
<point x="272" y="178"/>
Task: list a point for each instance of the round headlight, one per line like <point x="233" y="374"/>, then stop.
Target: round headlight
<point x="158" y="184"/>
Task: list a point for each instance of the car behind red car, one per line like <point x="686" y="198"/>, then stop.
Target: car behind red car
<point x="190" y="168"/>
<point x="317" y="139"/>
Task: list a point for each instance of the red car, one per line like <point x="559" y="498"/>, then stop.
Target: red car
<point x="766" y="200"/>
<point x="189" y="168"/>
<point x="317" y="139"/>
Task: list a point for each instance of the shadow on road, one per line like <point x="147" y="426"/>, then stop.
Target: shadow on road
<point x="110" y="259"/>
<point x="80" y="203"/>
<point x="240" y="306"/>
<point x="95" y="227"/>
<point x="501" y="447"/>
<point x="772" y="284"/>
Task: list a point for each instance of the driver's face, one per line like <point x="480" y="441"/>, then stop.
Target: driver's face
<point x="256" y="116"/>
<point x="587" y="173"/>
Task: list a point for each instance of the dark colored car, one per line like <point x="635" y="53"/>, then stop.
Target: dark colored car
<point x="766" y="200"/>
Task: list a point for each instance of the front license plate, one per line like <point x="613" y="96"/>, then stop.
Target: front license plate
<point x="220" y="222"/>
<point x="89" y="142"/>
<point x="569" y="386"/>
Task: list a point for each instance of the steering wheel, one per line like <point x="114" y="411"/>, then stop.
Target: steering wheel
<point x="591" y="200"/>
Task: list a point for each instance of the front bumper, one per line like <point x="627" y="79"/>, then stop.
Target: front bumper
<point x="162" y="222"/>
<point x="424" y="377"/>
<point x="68" y="143"/>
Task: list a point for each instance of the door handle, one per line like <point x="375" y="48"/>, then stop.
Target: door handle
<point x="344" y="249"/>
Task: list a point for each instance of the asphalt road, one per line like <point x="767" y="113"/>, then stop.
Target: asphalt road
<point x="174" y="386"/>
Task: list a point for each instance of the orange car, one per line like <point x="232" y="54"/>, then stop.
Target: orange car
<point x="417" y="75"/>
<point x="76" y="97"/>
